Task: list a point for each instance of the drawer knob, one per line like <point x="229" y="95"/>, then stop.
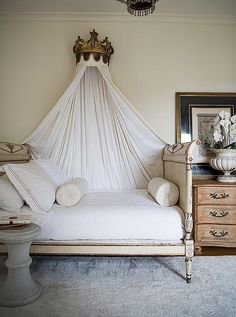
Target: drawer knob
<point x="218" y="235"/>
<point x="219" y="196"/>
<point x="219" y="214"/>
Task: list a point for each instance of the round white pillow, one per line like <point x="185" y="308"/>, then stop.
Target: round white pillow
<point x="163" y="191"/>
<point x="70" y="193"/>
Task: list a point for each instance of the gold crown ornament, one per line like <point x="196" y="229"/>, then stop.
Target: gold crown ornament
<point x="93" y="46"/>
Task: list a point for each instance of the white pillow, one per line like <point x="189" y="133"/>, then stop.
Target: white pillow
<point x="33" y="184"/>
<point x="163" y="191"/>
<point x="10" y="200"/>
<point x="53" y="170"/>
<point x="71" y="192"/>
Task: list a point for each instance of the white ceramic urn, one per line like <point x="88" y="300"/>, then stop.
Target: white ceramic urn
<point x="225" y="161"/>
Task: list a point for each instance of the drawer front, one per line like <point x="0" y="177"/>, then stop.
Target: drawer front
<point x="210" y="233"/>
<point x="215" y="214"/>
<point x="216" y="195"/>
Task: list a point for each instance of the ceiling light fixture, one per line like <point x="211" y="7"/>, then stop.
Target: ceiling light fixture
<point x="140" y="7"/>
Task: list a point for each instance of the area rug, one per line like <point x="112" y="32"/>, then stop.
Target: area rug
<point x="129" y="287"/>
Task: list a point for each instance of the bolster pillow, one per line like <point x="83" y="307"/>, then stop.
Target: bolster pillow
<point x="70" y="193"/>
<point x="163" y="191"/>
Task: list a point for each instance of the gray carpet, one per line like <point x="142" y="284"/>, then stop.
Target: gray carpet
<point x="130" y="287"/>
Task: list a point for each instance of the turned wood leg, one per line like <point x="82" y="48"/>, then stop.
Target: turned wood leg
<point x="188" y="262"/>
<point x="189" y="250"/>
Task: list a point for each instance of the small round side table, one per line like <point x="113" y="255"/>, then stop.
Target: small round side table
<point x="19" y="288"/>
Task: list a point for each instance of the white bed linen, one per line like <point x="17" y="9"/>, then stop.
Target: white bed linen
<point x="111" y="216"/>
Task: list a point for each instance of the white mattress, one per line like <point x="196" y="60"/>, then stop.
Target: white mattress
<point x="111" y="216"/>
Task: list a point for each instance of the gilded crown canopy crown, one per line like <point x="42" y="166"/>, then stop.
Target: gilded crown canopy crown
<point x="93" y="46"/>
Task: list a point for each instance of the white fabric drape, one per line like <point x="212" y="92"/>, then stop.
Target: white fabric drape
<point x="93" y="132"/>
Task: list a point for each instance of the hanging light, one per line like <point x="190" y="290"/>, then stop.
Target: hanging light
<point x="140" y="7"/>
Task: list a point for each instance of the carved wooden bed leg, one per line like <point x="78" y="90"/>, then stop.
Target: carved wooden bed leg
<point x="188" y="262"/>
<point x="189" y="249"/>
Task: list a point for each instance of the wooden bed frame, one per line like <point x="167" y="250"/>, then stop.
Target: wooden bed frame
<point x="177" y="165"/>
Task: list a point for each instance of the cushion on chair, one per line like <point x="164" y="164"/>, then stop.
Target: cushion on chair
<point x="163" y="191"/>
<point x="114" y="215"/>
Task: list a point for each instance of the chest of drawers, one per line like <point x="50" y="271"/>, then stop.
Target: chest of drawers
<point x="214" y="212"/>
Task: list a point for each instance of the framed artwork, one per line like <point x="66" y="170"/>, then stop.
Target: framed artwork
<point x="195" y="116"/>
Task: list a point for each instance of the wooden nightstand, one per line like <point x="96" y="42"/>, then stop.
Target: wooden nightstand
<point x="214" y="212"/>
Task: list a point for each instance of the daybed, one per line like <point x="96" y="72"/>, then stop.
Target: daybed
<point x="119" y="222"/>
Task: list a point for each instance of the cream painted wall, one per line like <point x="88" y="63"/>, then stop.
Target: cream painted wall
<point x="152" y="61"/>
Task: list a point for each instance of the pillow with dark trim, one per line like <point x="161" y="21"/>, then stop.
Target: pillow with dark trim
<point x="33" y="184"/>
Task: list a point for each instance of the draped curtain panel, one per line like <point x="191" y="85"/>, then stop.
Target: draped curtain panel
<point x="95" y="133"/>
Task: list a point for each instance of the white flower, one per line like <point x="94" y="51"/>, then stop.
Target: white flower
<point x="233" y="133"/>
<point x="233" y="137"/>
<point x="224" y="129"/>
<point x="225" y="124"/>
<point x="224" y="115"/>
<point x="217" y="136"/>
<point x="233" y="127"/>
<point x="218" y="127"/>
<point x="233" y="119"/>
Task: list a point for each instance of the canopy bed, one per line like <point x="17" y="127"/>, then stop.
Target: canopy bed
<point x="94" y="133"/>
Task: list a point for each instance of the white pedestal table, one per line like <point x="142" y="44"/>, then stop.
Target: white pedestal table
<point x="19" y="288"/>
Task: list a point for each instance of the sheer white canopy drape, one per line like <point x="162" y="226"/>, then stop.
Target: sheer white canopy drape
<point x="95" y="133"/>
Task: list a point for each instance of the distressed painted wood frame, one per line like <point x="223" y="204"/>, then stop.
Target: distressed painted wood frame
<point x="177" y="168"/>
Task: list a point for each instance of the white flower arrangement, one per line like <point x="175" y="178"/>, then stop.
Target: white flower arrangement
<point x="225" y="131"/>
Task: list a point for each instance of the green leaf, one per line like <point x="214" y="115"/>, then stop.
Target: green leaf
<point x="231" y="146"/>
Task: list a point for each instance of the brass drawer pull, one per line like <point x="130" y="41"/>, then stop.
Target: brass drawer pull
<point x="221" y="214"/>
<point x="221" y="196"/>
<point x="218" y="235"/>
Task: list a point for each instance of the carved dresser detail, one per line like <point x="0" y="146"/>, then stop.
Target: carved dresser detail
<point x="214" y="212"/>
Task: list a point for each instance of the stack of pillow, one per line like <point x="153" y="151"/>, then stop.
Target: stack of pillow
<point x="38" y="183"/>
